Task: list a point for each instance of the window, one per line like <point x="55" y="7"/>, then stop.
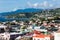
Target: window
<point x="38" y="39"/>
<point x="34" y="39"/>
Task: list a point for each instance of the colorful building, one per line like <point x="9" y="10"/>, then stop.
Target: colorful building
<point x="40" y="36"/>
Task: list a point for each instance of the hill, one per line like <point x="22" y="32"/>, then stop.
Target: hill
<point x="28" y="13"/>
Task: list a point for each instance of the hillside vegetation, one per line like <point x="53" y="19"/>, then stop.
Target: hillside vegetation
<point x="38" y="14"/>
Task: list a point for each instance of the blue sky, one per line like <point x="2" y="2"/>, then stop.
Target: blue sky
<point x="12" y="5"/>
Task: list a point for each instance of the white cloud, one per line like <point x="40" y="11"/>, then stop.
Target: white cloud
<point x="34" y="5"/>
<point x="47" y="4"/>
<point x="50" y="5"/>
<point x="44" y="4"/>
<point x="14" y="9"/>
<point x="29" y="4"/>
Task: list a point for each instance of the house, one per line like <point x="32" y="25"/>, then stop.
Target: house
<point x="40" y="36"/>
<point x="56" y="35"/>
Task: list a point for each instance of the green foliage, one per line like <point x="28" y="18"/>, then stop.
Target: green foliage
<point x="53" y="12"/>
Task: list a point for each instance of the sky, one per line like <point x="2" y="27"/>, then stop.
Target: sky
<point x="12" y="5"/>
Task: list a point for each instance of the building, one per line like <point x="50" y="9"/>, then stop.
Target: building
<point x="41" y="37"/>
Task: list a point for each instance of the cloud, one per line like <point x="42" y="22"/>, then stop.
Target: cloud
<point x="29" y="4"/>
<point x="34" y="5"/>
<point x="44" y="4"/>
<point x="14" y="9"/>
<point x="50" y="5"/>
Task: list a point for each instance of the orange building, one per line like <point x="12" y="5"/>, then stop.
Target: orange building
<point x="40" y="36"/>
